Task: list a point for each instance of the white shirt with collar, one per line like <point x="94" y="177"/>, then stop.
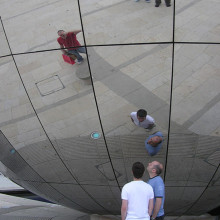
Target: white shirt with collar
<point x="144" y="124"/>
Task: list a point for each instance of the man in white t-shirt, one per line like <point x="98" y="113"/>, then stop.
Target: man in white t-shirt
<point x="141" y="119"/>
<point x="137" y="196"/>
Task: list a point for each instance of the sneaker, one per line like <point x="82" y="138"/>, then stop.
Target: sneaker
<point x="148" y="1"/>
<point x="168" y="5"/>
<point x="79" y="62"/>
<point x="136" y="0"/>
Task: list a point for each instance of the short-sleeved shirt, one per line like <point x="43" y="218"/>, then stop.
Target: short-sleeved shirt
<point x="159" y="191"/>
<point x="144" y="124"/>
<point x="70" y="41"/>
<point x="138" y="194"/>
<point x="153" y="150"/>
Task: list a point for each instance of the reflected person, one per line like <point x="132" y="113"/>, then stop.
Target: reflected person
<point x="142" y="119"/>
<point x="137" y="196"/>
<point x="69" y="39"/>
<point x="154" y="169"/>
<point x="158" y="2"/>
<point x="153" y="143"/>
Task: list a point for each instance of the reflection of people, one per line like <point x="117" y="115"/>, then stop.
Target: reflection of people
<point x="153" y="143"/>
<point x="154" y="169"/>
<point x="148" y="1"/>
<point x="67" y="40"/>
<point x="137" y="196"/>
<point x="158" y="2"/>
<point x="141" y="119"/>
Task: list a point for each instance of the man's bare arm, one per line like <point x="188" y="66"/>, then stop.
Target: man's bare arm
<point x="124" y="208"/>
<point x="75" y="32"/>
<point x="150" y="206"/>
<point x="157" y="207"/>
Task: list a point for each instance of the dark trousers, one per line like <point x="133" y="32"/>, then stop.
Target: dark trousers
<point x="160" y="217"/>
<point x="159" y="1"/>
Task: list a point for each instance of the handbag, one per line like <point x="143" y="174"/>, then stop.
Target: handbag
<point x="68" y="59"/>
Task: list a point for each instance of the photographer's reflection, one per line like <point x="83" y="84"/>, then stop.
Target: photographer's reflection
<point x="69" y="40"/>
<point x="153" y="143"/>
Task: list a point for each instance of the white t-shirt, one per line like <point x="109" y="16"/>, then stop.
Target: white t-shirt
<point x="138" y="194"/>
<point x="145" y="124"/>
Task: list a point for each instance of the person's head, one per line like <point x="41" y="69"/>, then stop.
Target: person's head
<point x="154" y="168"/>
<point x="62" y="34"/>
<point x="154" y="141"/>
<point x="141" y="115"/>
<point x="138" y="170"/>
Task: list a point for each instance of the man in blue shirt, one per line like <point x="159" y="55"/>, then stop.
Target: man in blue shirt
<point x="153" y="143"/>
<point x="154" y="169"/>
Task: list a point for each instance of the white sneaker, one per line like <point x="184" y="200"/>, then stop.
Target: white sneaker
<point x="79" y="62"/>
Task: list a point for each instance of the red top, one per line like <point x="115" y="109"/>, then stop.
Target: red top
<point x="70" y="41"/>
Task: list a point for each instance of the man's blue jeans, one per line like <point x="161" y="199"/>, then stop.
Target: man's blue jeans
<point x="77" y="51"/>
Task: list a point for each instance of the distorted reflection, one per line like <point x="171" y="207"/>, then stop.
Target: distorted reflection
<point x="142" y="119"/>
<point x="119" y="22"/>
<point x="153" y="143"/>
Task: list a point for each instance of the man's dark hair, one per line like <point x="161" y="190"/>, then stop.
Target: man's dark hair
<point x="141" y="113"/>
<point x="59" y="31"/>
<point x="138" y="170"/>
<point x="158" y="169"/>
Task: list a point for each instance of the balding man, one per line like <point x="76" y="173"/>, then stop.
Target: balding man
<point x="153" y="143"/>
<point x="70" y="45"/>
<point x="154" y="169"/>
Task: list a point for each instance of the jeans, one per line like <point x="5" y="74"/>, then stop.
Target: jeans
<point x="77" y="51"/>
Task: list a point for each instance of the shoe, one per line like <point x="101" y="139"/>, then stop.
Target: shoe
<point x="136" y="0"/>
<point x="79" y="62"/>
<point x="168" y="5"/>
<point x="148" y="1"/>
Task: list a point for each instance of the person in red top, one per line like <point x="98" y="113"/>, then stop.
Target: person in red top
<point x="68" y="41"/>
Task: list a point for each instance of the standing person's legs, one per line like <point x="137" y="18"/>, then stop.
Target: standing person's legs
<point x="157" y="3"/>
<point x="167" y="3"/>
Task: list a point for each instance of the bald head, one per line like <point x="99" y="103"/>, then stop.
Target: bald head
<point x="154" y="168"/>
<point x="154" y="141"/>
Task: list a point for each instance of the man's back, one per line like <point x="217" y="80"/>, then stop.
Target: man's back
<point x="138" y="194"/>
<point x="159" y="191"/>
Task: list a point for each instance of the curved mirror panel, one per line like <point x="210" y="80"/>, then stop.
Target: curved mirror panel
<point x="121" y="21"/>
<point x="63" y="99"/>
<point x="194" y="138"/>
<point x="37" y="22"/>
<point x="136" y="78"/>
<point x="197" y="21"/>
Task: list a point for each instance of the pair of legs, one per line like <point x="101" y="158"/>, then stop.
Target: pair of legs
<point x="76" y="53"/>
<point x="158" y="2"/>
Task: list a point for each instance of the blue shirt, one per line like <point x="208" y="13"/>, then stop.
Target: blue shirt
<point x="150" y="149"/>
<point x="159" y="191"/>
